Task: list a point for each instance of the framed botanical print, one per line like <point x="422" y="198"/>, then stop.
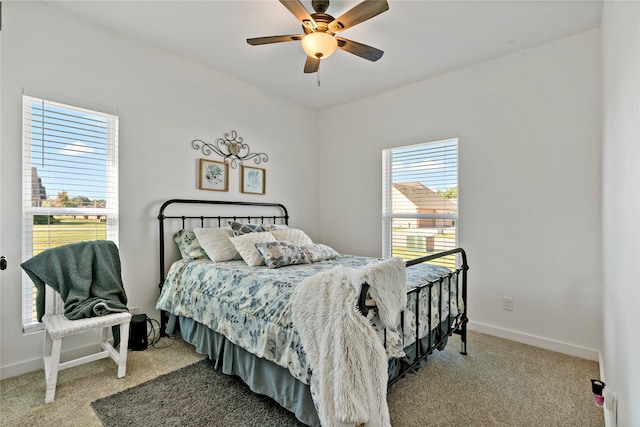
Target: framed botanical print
<point x="214" y="175"/>
<point x="254" y="180"/>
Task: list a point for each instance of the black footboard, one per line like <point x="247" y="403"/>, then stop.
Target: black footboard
<point x="423" y="347"/>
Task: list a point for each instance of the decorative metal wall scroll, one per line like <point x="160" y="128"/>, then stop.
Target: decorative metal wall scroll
<point x="231" y="148"/>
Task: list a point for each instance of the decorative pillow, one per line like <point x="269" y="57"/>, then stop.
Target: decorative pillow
<point x="271" y="227"/>
<point x="240" y="228"/>
<point x="293" y="235"/>
<point x="245" y="244"/>
<point x="216" y="243"/>
<point x="279" y="254"/>
<point x="189" y="245"/>
<point x="319" y="252"/>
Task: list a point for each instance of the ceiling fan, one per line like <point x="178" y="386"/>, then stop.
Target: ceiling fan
<point x="319" y="39"/>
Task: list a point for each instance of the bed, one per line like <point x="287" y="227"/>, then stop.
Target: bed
<point x="240" y="314"/>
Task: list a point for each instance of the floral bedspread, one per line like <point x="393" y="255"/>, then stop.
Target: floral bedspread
<point x="250" y="305"/>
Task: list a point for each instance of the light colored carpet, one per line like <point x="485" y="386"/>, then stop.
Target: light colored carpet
<point x="499" y="383"/>
<point x="22" y="402"/>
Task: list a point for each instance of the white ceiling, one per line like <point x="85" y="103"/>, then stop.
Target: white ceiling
<point x="420" y="38"/>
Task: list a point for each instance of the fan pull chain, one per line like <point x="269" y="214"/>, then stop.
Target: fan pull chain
<point x="318" y="76"/>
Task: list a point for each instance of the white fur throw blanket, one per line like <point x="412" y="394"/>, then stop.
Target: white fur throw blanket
<point x="349" y="363"/>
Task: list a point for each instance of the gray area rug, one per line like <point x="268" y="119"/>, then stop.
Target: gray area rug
<point x="196" y="395"/>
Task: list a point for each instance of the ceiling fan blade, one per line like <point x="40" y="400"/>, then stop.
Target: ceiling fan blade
<point x="274" y="39"/>
<point x="311" y="65"/>
<point x="359" y="49"/>
<point x="299" y="11"/>
<point x="359" y="13"/>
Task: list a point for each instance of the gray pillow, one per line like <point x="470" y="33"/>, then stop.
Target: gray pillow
<point x="240" y="228"/>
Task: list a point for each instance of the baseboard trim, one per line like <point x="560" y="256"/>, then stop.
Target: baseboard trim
<point x="20" y="368"/>
<point x="37" y="364"/>
<point x="548" y="344"/>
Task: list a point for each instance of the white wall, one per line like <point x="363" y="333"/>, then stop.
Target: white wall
<point x="621" y="205"/>
<point x="164" y="102"/>
<point x="529" y="181"/>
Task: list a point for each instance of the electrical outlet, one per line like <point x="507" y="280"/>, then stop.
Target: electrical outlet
<point x="507" y="303"/>
<point x="134" y="310"/>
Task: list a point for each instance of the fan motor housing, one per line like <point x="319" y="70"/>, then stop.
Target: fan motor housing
<point x="320" y="6"/>
<point x="323" y="20"/>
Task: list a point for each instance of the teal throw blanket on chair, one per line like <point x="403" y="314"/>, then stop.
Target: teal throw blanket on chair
<point x="87" y="276"/>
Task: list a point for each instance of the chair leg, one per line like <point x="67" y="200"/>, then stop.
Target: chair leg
<point x="51" y="367"/>
<point x="124" y="347"/>
<point x="104" y="334"/>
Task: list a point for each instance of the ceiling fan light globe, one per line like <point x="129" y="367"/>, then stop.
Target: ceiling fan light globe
<point x="319" y="44"/>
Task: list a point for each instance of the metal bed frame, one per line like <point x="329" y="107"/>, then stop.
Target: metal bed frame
<point x="454" y="324"/>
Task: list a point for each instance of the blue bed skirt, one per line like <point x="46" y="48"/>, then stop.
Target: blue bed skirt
<point x="261" y="375"/>
<point x="265" y="377"/>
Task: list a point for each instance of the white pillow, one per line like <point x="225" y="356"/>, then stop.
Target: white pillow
<point x="245" y="244"/>
<point x="216" y="243"/>
<point x="293" y="235"/>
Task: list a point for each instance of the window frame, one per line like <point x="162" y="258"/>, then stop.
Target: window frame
<point x="387" y="193"/>
<point x="111" y="186"/>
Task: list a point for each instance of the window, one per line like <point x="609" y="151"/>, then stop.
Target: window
<point x="420" y="199"/>
<point x="69" y="181"/>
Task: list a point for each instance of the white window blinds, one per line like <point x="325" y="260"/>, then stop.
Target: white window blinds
<point x="69" y="181"/>
<point x="420" y="199"/>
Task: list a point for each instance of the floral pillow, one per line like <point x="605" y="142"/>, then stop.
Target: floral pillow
<point x="271" y="227"/>
<point x="189" y="245"/>
<point x="280" y="254"/>
<point x="245" y="244"/>
<point x="240" y="228"/>
<point x="319" y="252"/>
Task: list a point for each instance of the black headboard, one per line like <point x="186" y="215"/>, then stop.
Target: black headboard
<point x="182" y="212"/>
<point x="275" y="213"/>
